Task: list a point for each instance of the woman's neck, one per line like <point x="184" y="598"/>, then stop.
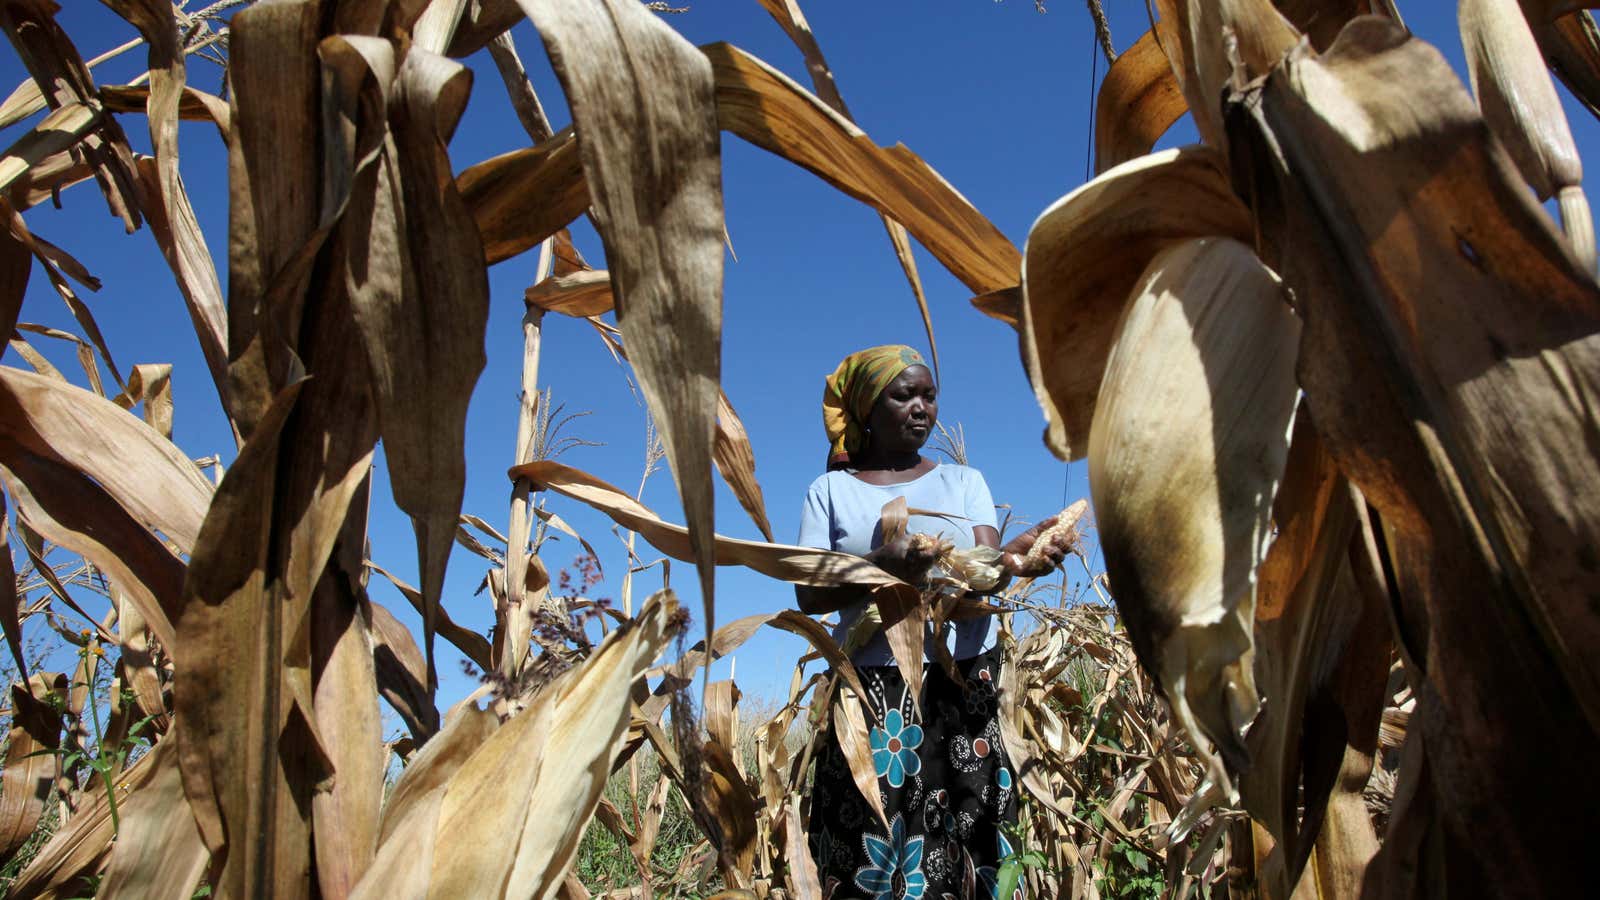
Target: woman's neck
<point x="888" y="461"/>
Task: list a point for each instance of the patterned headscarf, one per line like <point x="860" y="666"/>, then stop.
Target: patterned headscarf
<point x="852" y="389"/>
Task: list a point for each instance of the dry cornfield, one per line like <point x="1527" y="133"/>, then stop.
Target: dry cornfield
<point x="1333" y="369"/>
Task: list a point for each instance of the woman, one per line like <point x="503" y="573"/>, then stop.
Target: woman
<point x="943" y="777"/>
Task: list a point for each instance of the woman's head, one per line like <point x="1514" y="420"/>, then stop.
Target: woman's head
<point x="884" y="396"/>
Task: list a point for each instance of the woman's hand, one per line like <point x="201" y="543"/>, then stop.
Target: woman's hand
<point x="1014" y="555"/>
<point x="906" y="558"/>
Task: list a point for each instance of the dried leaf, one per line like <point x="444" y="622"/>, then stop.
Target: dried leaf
<point x="652" y="159"/>
<point x="402" y="672"/>
<point x="61" y="129"/>
<point x="68" y="508"/>
<point x="150" y="384"/>
<point x="1138" y="101"/>
<point x="31" y="764"/>
<point x="499" y="193"/>
<point x="1188" y="444"/>
<point x="1520" y="105"/>
<point x="849" y="729"/>
<point x="81" y="846"/>
<point x="146" y="474"/>
<point x="1571" y="47"/>
<point x="736" y="462"/>
<point x="55" y="65"/>
<point x="586" y="292"/>
<point x="471" y="644"/>
<point x="538" y="778"/>
<point x="425" y="343"/>
<point x="1084" y="255"/>
<point x="158" y="851"/>
<point x="345" y="818"/>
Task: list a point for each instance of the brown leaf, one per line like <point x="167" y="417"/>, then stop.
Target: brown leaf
<point x="425" y="343"/>
<point x="586" y="292"/>
<point x="1571" y="47"/>
<point x="193" y="105"/>
<point x="730" y="802"/>
<point x="1085" y="254"/>
<point x="1138" y="101"/>
<point x="150" y="384"/>
<point x="61" y="129"/>
<point x="471" y="644"/>
<point x="652" y="159"/>
<point x="167" y="206"/>
<point x="82" y="845"/>
<point x="54" y="63"/>
<point x="68" y="508"/>
<point x="31" y="763"/>
<point x="850" y="730"/>
<point x="497" y="192"/>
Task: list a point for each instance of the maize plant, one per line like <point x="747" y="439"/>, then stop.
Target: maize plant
<point x="1332" y="368"/>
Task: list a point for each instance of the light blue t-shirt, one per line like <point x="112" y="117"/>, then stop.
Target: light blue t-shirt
<point x="842" y="513"/>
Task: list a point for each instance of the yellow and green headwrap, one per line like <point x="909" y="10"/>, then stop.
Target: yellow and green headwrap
<point x="848" y="395"/>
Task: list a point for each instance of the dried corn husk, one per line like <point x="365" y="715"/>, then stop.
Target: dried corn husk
<point x="1519" y="102"/>
<point x="1084" y="255"/>
<point x="1188" y="445"/>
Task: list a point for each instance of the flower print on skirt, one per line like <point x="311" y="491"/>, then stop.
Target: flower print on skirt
<point x="946" y="785"/>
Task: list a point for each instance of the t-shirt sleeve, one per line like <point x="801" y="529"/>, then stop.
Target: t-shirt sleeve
<point x="980" y="505"/>
<point x="815" y="520"/>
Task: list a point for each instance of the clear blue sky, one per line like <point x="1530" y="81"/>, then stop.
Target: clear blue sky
<point x="993" y="95"/>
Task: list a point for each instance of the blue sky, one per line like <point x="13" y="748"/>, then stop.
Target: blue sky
<point x="993" y="95"/>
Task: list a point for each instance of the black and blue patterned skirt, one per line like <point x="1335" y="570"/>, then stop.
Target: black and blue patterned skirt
<point x="945" y="783"/>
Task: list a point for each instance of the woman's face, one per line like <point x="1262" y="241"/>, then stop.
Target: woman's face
<point x="904" y="414"/>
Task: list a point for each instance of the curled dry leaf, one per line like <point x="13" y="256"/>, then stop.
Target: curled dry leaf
<point x="1084" y="255"/>
<point x="1212" y="36"/>
<point x="1188" y="444"/>
<point x="1138" y="100"/>
<point x="586" y="292"/>
<point x="520" y="198"/>
<point x="1519" y="103"/>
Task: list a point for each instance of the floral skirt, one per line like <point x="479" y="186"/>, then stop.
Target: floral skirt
<point x="945" y="783"/>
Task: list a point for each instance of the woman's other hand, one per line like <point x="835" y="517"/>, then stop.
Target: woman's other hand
<point x="1014" y="556"/>
<point x="906" y="558"/>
